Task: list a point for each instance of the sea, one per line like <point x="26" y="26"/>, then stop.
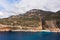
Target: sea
<point x="29" y="36"/>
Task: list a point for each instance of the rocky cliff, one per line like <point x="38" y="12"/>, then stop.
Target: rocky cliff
<point x="34" y="18"/>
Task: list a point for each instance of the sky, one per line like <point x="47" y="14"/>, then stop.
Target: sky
<point x="15" y="7"/>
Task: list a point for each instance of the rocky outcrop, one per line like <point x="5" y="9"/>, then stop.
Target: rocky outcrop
<point x="34" y="19"/>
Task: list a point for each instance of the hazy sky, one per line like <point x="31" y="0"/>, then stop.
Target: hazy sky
<point x="13" y="7"/>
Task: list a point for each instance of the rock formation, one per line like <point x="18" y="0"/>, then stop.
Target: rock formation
<point x="34" y="18"/>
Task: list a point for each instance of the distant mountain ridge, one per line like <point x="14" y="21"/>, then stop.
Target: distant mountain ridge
<point x="35" y="12"/>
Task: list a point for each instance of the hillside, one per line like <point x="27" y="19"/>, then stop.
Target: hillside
<point x="33" y="18"/>
<point x="30" y="18"/>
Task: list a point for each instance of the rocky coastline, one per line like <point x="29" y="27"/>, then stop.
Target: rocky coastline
<point x="34" y="20"/>
<point x="28" y="29"/>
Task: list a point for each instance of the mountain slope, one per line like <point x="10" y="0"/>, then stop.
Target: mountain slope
<point x="31" y="18"/>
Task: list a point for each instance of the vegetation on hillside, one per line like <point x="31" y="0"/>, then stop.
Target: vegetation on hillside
<point x="30" y="18"/>
<point x="22" y="21"/>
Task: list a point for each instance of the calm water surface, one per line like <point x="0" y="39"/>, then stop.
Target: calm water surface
<point x="29" y="36"/>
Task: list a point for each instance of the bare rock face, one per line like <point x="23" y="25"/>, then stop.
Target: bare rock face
<point x="52" y="22"/>
<point x="35" y="18"/>
<point x="49" y="24"/>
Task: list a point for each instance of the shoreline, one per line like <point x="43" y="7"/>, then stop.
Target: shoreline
<point x="26" y="31"/>
<point x="30" y="31"/>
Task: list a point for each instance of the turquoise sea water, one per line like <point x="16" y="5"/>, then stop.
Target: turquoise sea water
<point x="29" y="36"/>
